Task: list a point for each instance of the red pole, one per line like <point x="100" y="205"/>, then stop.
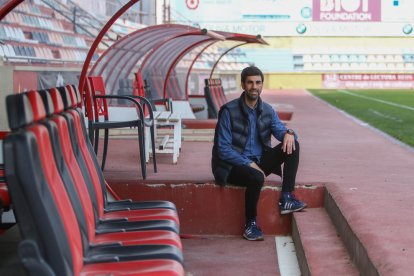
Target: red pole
<point x="98" y="40"/>
<point x="192" y="64"/>
<point x="8" y="8"/>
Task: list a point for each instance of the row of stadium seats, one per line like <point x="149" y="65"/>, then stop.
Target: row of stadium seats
<point x="59" y="39"/>
<point x="14" y="34"/>
<point x="230" y="57"/>
<point x="34" y="21"/>
<point x="17" y="34"/>
<point x="233" y="61"/>
<point x="29" y="9"/>
<point x="58" y="192"/>
<point x="408" y="57"/>
<point x="232" y="66"/>
<point x="37" y="52"/>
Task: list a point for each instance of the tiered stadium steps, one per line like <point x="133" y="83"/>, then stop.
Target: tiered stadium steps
<point x="319" y="248"/>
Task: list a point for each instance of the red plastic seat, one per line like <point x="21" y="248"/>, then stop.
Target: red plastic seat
<point x="144" y="90"/>
<point x="98" y="181"/>
<point x="79" y="179"/>
<point x="215" y="97"/>
<point x="92" y="179"/>
<point x="96" y="93"/>
<point x="53" y="239"/>
<point x="4" y="192"/>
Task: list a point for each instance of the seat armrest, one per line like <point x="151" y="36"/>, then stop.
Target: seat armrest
<point x="129" y="98"/>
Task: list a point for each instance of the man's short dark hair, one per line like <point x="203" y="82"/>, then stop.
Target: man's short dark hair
<point x="251" y="71"/>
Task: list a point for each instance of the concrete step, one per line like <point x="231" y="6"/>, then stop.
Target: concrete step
<point x="319" y="248"/>
<point x="208" y="209"/>
<point x="352" y="242"/>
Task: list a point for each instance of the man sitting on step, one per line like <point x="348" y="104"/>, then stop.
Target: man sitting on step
<point x="242" y="153"/>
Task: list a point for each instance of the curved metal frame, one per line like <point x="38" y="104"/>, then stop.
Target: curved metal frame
<point x="9" y="7"/>
<point x="213" y="36"/>
<point x="160" y="44"/>
<point x="177" y="59"/>
<point x="163" y="43"/>
<point x="98" y="39"/>
<point x="164" y="58"/>
<point x="130" y="63"/>
<point x="129" y="36"/>
<point x="192" y="64"/>
<point x="223" y="54"/>
<point x="109" y="51"/>
<point x="112" y="52"/>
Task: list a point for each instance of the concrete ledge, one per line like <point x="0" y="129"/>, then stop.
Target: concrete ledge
<point x="208" y="209"/>
<point x="300" y="251"/>
<point x="199" y="123"/>
<point x="356" y="250"/>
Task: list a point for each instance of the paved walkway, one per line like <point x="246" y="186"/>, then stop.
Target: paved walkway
<point x="372" y="176"/>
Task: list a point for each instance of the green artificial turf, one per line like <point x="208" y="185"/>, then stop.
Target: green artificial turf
<point x="391" y="111"/>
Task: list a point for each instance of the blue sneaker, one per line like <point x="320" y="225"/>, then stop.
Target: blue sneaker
<point x="252" y="231"/>
<point x="289" y="204"/>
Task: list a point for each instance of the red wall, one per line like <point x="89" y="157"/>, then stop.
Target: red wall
<point x="23" y="80"/>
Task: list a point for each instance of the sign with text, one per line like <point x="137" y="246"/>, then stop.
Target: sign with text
<point x="347" y="10"/>
<point x="236" y="11"/>
<point x="283" y="17"/>
<point x="368" y="81"/>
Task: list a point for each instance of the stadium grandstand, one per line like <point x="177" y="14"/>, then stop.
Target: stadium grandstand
<point x="139" y="197"/>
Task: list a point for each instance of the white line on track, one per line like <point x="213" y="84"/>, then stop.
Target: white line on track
<point x="377" y="100"/>
<point x="286" y="256"/>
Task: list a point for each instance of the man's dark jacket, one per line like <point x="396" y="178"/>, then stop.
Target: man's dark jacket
<point x="240" y="128"/>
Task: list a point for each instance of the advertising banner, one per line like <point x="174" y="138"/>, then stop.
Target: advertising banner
<point x="347" y="10"/>
<point x="368" y="81"/>
<point x="298" y="17"/>
<point x="238" y="11"/>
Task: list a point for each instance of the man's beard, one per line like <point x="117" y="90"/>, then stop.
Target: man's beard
<point x="252" y="97"/>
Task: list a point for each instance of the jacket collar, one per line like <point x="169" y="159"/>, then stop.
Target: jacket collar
<point x="244" y="108"/>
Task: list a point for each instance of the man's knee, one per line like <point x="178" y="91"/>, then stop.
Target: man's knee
<point x="295" y="153"/>
<point x="256" y="179"/>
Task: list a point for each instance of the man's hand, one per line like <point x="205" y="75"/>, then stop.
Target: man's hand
<point x="288" y="143"/>
<point x="255" y="166"/>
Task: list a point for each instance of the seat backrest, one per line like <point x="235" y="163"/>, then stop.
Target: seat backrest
<point x="139" y="84"/>
<point x="215" y="97"/>
<point x="88" y="100"/>
<point x="67" y="144"/>
<point x="77" y="132"/>
<point x="4" y="194"/>
<point x="100" y="106"/>
<point x="98" y="184"/>
<point x="157" y="104"/>
<point x="63" y="155"/>
<point x="31" y="171"/>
